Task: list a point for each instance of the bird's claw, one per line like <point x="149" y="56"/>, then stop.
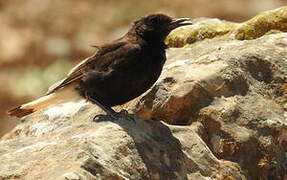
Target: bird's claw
<point x="98" y="117"/>
<point x="123" y="114"/>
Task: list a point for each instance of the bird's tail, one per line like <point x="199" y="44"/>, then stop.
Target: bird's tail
<point x="62" y="95"/>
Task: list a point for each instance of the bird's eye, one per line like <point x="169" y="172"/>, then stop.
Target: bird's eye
<point x="154" y="20"/>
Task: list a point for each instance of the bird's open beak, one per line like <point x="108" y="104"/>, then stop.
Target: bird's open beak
<point x="179" y="22"/>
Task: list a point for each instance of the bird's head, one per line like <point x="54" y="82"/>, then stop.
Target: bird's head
<point x="155" y="27"/>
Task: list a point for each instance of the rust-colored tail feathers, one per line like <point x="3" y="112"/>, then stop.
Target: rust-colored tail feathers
<point x="62" y="95"/>
<point x="20" y="112"/>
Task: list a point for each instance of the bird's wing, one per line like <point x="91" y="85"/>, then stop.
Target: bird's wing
<point x="74" y="75"/>
<point x="109" y="56"/>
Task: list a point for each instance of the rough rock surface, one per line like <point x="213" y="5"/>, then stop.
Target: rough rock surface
<point x="225" y="101"/>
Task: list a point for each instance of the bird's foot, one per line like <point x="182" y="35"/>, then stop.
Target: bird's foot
<point x="99" y="118"/>
<point x="123" y="114"/>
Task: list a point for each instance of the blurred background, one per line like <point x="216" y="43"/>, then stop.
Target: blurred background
<point x="41" y="40"/>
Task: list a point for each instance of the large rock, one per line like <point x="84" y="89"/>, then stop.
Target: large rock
<point x="229" y="96"/>
<point x="107" y="149"/>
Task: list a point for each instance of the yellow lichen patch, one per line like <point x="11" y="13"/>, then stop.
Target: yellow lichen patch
<point x="198" y="32"/>
<point x="269" y="22"/>
<point x="265" y="23"/>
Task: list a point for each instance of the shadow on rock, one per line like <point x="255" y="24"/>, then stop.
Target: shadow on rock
<point x="155" y="144"/>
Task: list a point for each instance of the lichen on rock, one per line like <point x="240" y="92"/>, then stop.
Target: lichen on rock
<point x="200" y="30"/>
<point x="269" y="22"/>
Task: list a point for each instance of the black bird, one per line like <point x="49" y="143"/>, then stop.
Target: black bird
<point x="118" y="72"/>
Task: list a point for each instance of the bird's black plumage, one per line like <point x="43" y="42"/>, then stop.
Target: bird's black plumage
<point x="125" y="68"/>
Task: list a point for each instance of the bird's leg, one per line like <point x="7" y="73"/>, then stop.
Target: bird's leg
<point x="108" y="109"/>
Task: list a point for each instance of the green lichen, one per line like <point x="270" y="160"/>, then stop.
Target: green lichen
<point x="198" y="32"/>
<point x="273" y="21"/>
<point x="269" y="22"/>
